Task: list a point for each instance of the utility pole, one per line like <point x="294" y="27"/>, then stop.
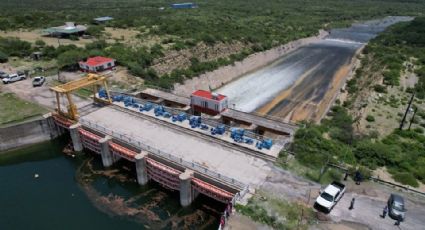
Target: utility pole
<point x="407" y="110"/>
<point x="413" y="117"/>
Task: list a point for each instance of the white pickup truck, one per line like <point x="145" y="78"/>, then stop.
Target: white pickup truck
<point x="330" y="195"/>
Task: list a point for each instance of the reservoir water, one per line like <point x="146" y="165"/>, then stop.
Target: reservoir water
<point x="77" y="193"/>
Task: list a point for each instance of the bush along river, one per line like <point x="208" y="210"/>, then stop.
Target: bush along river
<point x="41" y="188"/>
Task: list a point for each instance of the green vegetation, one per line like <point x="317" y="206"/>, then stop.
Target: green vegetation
<point x="14" y="109"/>
<point x="370" y="118"/>
<point x="277" y="213"/>
<point x="402" y="152"/>
<point x="14" y="47"/>
<point x="406" y="178"/>
<point x="258" y="25"/>
<point x="3" y="57"/>
<point x="401" y="43"/>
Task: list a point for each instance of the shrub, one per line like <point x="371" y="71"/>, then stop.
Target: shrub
<point x="3" y="57"/>
<point x="419" y="130"/>
<point x="406" y="178"/>
<point x="15" y="47"/>
<point x="365" y="172"/>
<point x="95" y="31"/>
<point x="40" y="43"/>
<point x="74" y="38"/>
<point x="370" y="118"/>
<point x="69" y="59"/>
<point x="380" y="88"/>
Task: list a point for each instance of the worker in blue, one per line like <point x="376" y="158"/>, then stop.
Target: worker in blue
<point x="358" y="177"/>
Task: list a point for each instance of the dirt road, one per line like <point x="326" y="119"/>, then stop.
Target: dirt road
<point x="370" y="200"/>
<point x="41" y="95"/>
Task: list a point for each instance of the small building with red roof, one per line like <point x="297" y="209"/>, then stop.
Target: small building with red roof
<point x="208" y="102"/>
<point x="97" y="64"/>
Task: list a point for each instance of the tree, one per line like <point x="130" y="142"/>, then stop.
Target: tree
<point x="40" y="43"/>
<point x="69" y="59"/>
<point x="15" y="47"/>
<point x="3" y="57"/>
<point x="95" y="31"/>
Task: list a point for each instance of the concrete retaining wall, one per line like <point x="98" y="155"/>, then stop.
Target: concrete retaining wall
<point x="217" y="78"/>
<point x="29" y="132"/>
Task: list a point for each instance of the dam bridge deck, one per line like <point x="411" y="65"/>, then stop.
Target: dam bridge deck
<point x="152" y="136"/>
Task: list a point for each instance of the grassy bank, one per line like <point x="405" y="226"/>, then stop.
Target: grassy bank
<point x="14" y="109"/>
<point x="277" y="213"/>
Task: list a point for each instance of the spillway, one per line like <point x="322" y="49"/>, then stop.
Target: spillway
<point x="301" y="84"/>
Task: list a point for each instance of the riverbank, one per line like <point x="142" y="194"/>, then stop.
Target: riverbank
<point x="226" y="74"/>
<point x="28" y="132"/>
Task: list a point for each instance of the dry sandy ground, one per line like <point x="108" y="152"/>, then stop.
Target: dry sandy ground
<point x="34" y="35"/>
<point x="387" y="117"/>
<point x="126" y="36"/>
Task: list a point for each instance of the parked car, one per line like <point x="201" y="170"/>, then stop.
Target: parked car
<point x="396" y="208"/>
<point x="3" y="74"/>
<point x="21" y="73"/>
<point x="13" y="78"/>
<point x="330" y="195"/>
<point x="38" y="81"/>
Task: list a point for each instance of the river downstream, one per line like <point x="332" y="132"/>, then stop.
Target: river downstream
<point x="302" y="84"/>
<point x="76" y="193"/>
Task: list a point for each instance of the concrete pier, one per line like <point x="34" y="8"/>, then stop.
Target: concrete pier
<point x="141" y="169"/>
<point x="186" y="196"/>
<point x="107" y="157"/>
<point x="75" y="137"/>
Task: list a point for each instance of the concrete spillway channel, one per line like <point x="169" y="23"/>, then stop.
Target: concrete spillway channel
<point x="303" y="83"/>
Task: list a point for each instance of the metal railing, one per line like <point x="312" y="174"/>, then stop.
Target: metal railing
<point x="273" y="118"/>
<point x="191" y="165"/>
<point x="208" y="122"/>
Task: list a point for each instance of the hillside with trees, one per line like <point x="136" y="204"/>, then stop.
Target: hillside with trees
<point x="258" y="25"/>
<point x="383" y="66"/>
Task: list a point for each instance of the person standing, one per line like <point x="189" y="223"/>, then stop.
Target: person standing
<point x="358" y="177"/>
<point x="352" y="204"/>
<point x="385" y="211"/>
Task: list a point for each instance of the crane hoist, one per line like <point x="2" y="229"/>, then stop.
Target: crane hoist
<point x="66" y="89"/>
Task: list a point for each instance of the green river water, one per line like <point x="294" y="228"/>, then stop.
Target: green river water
<point x="77" y="193"/>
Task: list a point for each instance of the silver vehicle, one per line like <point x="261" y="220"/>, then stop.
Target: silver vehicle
<point x="38" y="81"/>
<point x="3" y="74"/>
<point x="396" y="208"/>
<point x="13" y="78"/>
<point x="330" y="195"/>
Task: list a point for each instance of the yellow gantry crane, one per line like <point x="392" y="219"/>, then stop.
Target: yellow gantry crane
<point x="66" y="89"/>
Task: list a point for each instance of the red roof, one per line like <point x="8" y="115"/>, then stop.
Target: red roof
<point x="98" y="60"/>
<point x="208" y="95"/>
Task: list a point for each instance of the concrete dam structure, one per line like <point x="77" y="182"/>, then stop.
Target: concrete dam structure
<point x="173" y="153"/>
